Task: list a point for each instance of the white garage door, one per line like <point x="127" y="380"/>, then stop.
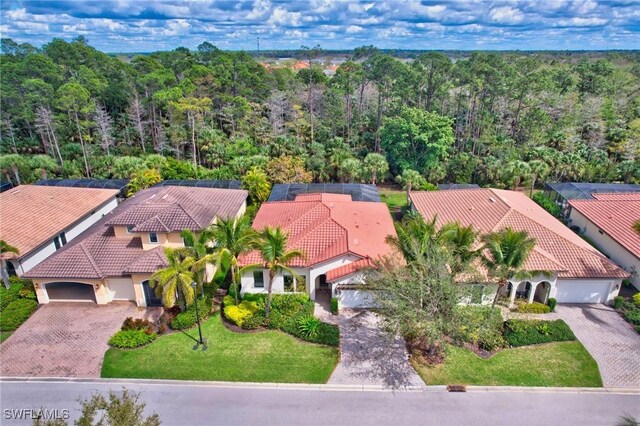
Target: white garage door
<point x="355" y="299"/>
<point x="122" y="289"/>
<point x="586" y="291"/>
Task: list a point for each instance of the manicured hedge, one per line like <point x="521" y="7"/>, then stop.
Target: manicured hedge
<point x="533" y="308"/>
<point x="132" y="338"/>
<point x="187" y="318"/>
<point x="8" y="295"/>
<point x="546" y="203"/>
<point x="16" y="312"/>
<point x="241" y="312"/>
<point x="524" y="332"/>
<point x="334" y="306"/>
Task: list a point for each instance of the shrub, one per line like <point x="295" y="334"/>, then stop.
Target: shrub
<point x="137" y="324"/>
<point x="228" y="300"/>
<point x="288" y="304"/>
<point x="254" y="321"/>
<point x="633" y="316"/>
<point x="551" y="303"/>
<point x="523" y="332"/>
<point x="8" y="295"/>
<point x="618" y="301"/>
<point x="546" y="203"/>
<point x="238" y="314"/>
<point x="334" y="306"/>
<point x="188" y="318"/>
<point x="533" y="308"/>
<point x="308" y="326"/>
<point x="132" y="338"/>
<point x="478" y="325"/>
<point x="636" y="299"/>
<point x="16" y="313"/>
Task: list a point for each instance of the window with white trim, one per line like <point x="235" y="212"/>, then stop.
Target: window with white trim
<point x="153" y="237"/>
<point x="258" y="279"/>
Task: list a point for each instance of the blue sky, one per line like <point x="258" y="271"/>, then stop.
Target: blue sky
<point x="143" y="25"/>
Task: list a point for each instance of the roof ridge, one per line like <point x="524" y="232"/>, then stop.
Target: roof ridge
<point x="189" y="215"/>
<point x="92" y="262"/>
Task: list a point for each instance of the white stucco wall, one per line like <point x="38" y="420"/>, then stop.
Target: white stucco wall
<point x="47" y="249"/>
<point x="614" y="250"/>
<point x="310" y="274"/>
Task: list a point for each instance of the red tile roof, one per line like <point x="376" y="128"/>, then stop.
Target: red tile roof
<point x="31" y="215"/>
<point x="325" y="226"/>
<point x="348" y="269"/>
<point x="488" y="210"/>
<point x="97" y="253"/>
<point x="615" y="215"/>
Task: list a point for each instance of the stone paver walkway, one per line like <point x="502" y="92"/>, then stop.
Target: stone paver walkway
<point x="66" y="339"/>
<point x="369" y="356"/>
<point x="609" y="339"/>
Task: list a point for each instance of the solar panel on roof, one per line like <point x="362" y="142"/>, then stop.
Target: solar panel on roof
<point x="202" y="183"/>
<point x="358" y="191"/>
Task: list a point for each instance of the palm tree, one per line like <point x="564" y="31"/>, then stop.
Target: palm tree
<point x="506" y="252"/>
<point x="232" y="237"/>
<point x="276" y="257"/>
<point x="199" y="247"/>
<point x="636" y="227"/>
<point x="6" y="248"/>
<point x="175" y="280"/>
<point x="460" y="240"/>
<point x="415" y="236"/>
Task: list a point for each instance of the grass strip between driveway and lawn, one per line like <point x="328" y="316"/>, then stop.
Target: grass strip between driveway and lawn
<point x="264" y="356"/>
<point x="562" y="364"/>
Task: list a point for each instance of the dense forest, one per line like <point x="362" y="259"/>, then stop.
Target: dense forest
<point x="501" y="119"/>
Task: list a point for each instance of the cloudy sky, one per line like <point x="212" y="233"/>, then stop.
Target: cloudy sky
<point x="147" y="25"/>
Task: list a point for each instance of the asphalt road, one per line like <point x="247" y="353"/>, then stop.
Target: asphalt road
<point x="194" y="404"/>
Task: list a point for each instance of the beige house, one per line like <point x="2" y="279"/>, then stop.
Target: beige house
<point x="114" y="259"/>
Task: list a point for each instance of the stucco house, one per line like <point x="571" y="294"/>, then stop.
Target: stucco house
<point x="114" y="259"/>
<point x="608" y="221"/>
<point x="578" y="272"/>
<point x="40" y="220"/>
<point x="340" y="238"/>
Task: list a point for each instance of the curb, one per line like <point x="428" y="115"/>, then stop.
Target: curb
<point x="315" y="387"/>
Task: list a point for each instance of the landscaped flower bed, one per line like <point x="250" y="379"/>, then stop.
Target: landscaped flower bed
<point x="291" y="313"/>
<point x="629" y="309"/>
<point x="17" y="304"/>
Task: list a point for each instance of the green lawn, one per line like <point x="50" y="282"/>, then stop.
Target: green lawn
<point x="267" y="356"/>
<point x="4" y="335"/>
<point x="565" y="364"/>
<point x="394" y="199"/>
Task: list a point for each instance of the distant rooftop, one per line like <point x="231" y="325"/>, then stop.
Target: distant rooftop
<point x="357" y="191"/>
<point x="202" y="183"/>
<point x="584" y="190"/>
<point x="445" y="186"/>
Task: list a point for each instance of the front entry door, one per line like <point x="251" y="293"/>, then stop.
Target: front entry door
<point x="150" y="295"/>
<point x="322" y="281"/>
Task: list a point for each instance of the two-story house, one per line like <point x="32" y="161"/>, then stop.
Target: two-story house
<point x="114" y="259"/>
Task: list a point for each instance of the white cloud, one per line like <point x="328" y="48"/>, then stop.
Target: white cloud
<point x="281" y="16"/>
<point x="260" y="9"/>
<point x="582" y="22"/>
<point x="583" y="6"/>
<point x="506" y="15"/>
<point x="352" y="29"/>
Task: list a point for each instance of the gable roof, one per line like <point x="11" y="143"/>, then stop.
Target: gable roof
<point x="614" y="214"/>
<point x="488" y="210"/>
<point x="97" y="253"/>
<point x="32" y="215"/>
<point x="325" y="226"/>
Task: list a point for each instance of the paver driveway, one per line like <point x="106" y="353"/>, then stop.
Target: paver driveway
<point x="66" y="339"/>
<point x="369" y="356"/>
<point x="609" y="339"/>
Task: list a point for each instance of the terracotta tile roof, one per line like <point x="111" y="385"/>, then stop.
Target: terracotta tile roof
<point x="325" y="226"/>
<point x="31" y="215"/>
<point x="624" y="196"/>
<point x="97" y="253"/>
<point x="175" y="208"/>
<point x="488" y="210"/>
<point x="348" y="269"/>
<point x="615" y="215"/>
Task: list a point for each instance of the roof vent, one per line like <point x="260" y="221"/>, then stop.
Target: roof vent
<point x="165" y="196"/>
<point x="15" y="192"/>
<point x="491" y="199"/>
